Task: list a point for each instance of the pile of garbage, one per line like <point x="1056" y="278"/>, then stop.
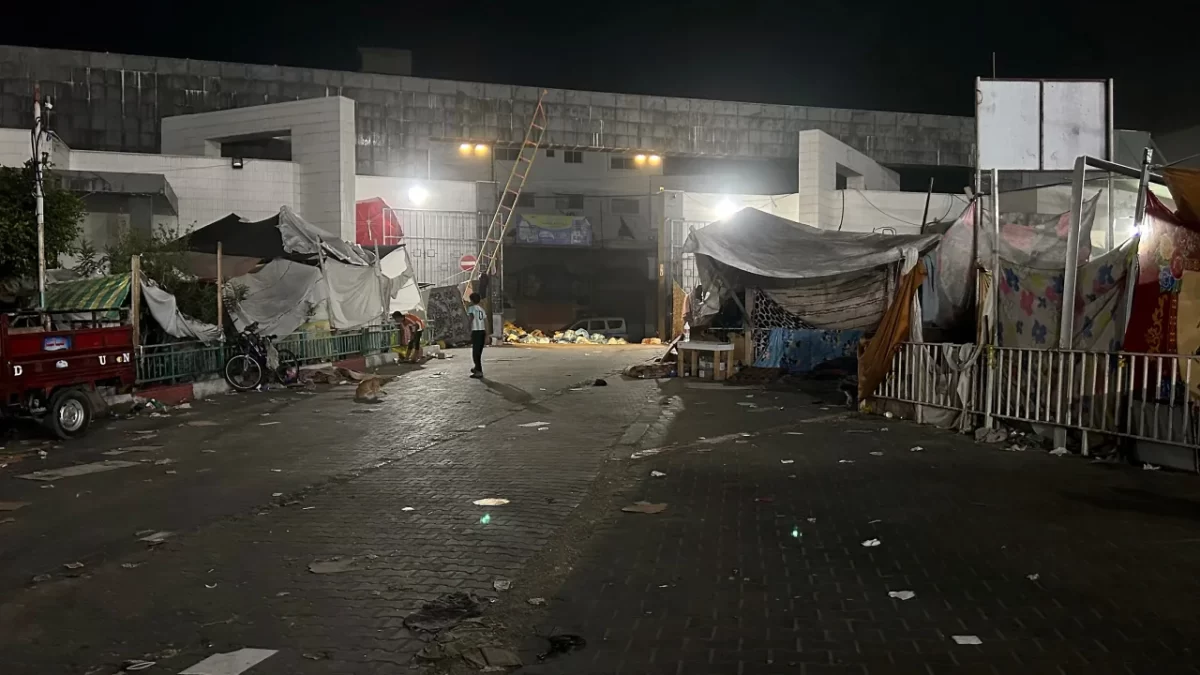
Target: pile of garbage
<point x="517" y="335"/>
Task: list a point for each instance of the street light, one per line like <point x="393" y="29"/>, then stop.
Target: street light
<point x="417" y="195"/>
<point x="725" y="208"/>
<point x="639" y="159"/>
<point x="464" y="148"/>
<point x="481" y="149"/>
<point x="655" y="160"/>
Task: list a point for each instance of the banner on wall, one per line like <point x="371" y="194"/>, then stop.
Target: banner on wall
<point x="548" y="230"/>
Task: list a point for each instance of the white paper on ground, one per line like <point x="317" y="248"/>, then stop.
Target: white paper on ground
<point x="902" y="595"/>
<point x="533" y="425"/>
<point x="77" y="470"/>
<point x="657" y="474"/>
<point x="490" y="501"/>
<point x="1058" y="452"/>
<point x="230" y="663"/>
<point x="871" y="543"/>
<point x="967" y="640"/>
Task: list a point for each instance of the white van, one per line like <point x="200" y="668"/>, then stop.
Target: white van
<point x="608" y="326"/>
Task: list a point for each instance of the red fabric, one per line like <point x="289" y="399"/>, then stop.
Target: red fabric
<point x="1168" y="246"/>
<point x="375" y="223"/>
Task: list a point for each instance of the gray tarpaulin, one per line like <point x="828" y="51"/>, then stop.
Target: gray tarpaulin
<point x="280" y="297"/>
<point x="358" y="295"/>
<point x="769" y="246"/>
<point x="166" y="312"/>
<point x="302" y="237"/>
<point x="406" y="296"/>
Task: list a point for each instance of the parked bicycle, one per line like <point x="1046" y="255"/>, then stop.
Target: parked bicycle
<point x="258" y="362"/>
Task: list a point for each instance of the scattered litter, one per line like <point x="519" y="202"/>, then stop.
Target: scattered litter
<point x="131" y="565"/>
<point x="791" y="475"/>
<point x="1059" y="452"/>
<point x="73" y="565"/>
<point x="1033" y="577"/>
<point x="132" y="448"/>
<point x="142" y="533"/>
<point x="871" y="543"/>
<point x="12" y="506"/>
<point x="156" y="538"/>
<point x="644" y="507"/>
<point x="316" y="656"/>
<point x="787" y="461"/>
<point x="534" y="425"/>
<point x="646" y="453"/>
<point x="203" y="423"/>
<point x="5" y="521"/>
<point x="883" y="428"/>
<point x="230" y="663"/>
<point x="562" y="644"/>
<point x="332" y="566"/>
<point x="858" y="431"/>
<point x="276" y="470"/>
<point x="845" y="461"/>
<point x="133" y="665"/>
<point x="876" y="453"/>
<point x="267" y="424"/>
<point x="747" y="404"/>
<point x="916" y="448"/>
<point x="210" y="586"/>
<point x="812" y="520"/>
<point x="407" y="508"/>
<point x="42" y="454"/>
<point x="902" y="595"/>
<point x="47" y="486"/>
<point x="490" y="501"/>
<point x="208" y="451"/>
<point x="967" y="640"/>
<point x="443" y="612"/>
<point x="40" y="578"/>
<point x="163" y="462"/>
<point x="276" y="494"/>
<point x="308" y="508"/>
<point x="502" y="584"/>
<point x="537" y="602"/>
<point x="657" y="474"/>
<point x="796" y="533"/>
<point x="77" y="470"/>
<point x="795" y="433"/>
<point x="985" y="435"/>
<point x="1145" y="467"/>
<point x="283" y="594"/>
<point x="184" y="406"/>
<point x="872" y="522"/>
<point x="480" y="426"/>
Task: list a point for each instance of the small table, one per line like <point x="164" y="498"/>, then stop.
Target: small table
<point x="716" y="348"/>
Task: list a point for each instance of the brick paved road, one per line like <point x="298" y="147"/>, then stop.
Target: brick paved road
<point x="735" y="578"/>
<point x="716" y="584"/>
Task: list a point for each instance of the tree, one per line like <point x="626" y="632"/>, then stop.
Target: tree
<point x="18" y="221"/>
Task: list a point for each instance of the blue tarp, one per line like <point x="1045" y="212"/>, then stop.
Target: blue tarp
<point x="799" y="350"/>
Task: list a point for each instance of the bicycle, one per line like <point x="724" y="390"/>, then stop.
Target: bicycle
<point x="251" y="368"/>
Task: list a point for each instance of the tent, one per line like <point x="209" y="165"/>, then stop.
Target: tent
<point x="284" y="235"/>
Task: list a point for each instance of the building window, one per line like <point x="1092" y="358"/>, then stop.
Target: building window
<point x="572" y="157"/>
<point x="508" y="154"/>
<point x="526" y="199"/>
<point x="549" y="153"/>
<point x="621" y="163"/>
<point x="566" y="202"/>
<point x="625" y="206"/>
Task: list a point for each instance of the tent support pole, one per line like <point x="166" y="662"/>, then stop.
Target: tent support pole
<point x="220" y="294"/>
<point x="135" y="299"/>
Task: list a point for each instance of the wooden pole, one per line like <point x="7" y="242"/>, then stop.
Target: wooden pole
<point x="220" y="294"/>
<point x="135" y="302"/>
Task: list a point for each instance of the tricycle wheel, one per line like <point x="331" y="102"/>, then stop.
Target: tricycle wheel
<point x="70" y="413"/>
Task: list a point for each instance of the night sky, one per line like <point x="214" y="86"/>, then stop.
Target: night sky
<point x="900" y="56"/>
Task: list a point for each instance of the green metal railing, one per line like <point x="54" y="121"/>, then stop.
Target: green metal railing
<point x="193" y="360"/>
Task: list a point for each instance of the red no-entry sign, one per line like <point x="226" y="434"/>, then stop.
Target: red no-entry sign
<point x="467" y="262"/>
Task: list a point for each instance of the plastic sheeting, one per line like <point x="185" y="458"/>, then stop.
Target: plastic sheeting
<point x="165" y="310"/>
<point x="303" y="238"/>
<point x="877" y="358"/>
<point x="406" y="295"/>
<point x="280" y="297"/>
<point x="358" y="296"/>
<point x="846" y="302"/>
<point x="769" y="246"/>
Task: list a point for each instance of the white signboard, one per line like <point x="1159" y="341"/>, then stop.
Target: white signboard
<point x="1040" y="125"/>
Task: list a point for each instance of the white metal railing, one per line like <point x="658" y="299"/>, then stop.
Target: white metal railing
<point x="1153" y="397"/>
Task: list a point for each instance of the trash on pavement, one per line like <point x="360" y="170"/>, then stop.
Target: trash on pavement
<point x="502" y="584"/>
<point x="408" y="508"/>
<point x="562" y="644"/>
<point x="133" y="665"/>
<point x="332" y="566"/>
<point x="812" y="520"/>
<point x="163" y="462"/>
<point x="73" y="565"/>
<point x="77" y="470"/>
<point x="12" y="506"/>
<point x="967" y="640"/>
<point x="276" y="494"/>
<point x="787" y="461"/>
<point x="646" y="453"/>
<point x="916" y="448"/>
<point x="747" y="404"/>
<point x="210" y="586"/>
<point x="184" y="406"/>
<point x="536" y="602"/>
<point x="845" y="461"/>
<point x="858" y="431"/>
<point x="902" y="595"/>
<point x="644" y="507"/>
<point x="1145" y="467"/>
<point x="268" y="424"/>
<point x="876" y="453"/>
<point x="443" y="612"/>
<point x="40" y="578"/>
<point x="1033" y="577"/>
<point x="795" y="433"/>
<point x="5" y="521"/>
<point x="1059" y="451"/>
<point x="490" y="501"/>
<point x="657" y="474"/>
<point x="156" y="538"/>
<point x="202" y="423"/>
<point x="871" y="543"/>
<point x="130" y="565"/>
<point x="533" y="425"/>
<point x="42" y="454"/>
<point x="230" y="663"/>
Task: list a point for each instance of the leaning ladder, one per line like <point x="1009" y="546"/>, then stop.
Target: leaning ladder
<point x="493" y="239"/>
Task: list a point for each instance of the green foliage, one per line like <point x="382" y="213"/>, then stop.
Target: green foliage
<point x="163" y="260"/>
<point x="18" y="221"/>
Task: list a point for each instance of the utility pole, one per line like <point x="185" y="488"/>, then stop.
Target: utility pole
<point x="39" y="195"/>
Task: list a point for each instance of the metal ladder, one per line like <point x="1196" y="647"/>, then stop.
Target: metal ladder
<point x="485" y="263"/>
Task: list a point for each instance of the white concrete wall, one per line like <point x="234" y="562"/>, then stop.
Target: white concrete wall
<point x="323" y="138"/>
<point x="820" y="155"/>
<point x="708" y="207"/>
<point x="15" y="149"/>
<point x="208" y="188"/>
<point x="878" y="210"/>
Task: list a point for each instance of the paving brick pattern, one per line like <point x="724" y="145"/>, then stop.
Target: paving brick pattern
<point x="734" y="578"/>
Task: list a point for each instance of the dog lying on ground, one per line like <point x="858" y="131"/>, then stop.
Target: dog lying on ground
<point x="371" y="388"/>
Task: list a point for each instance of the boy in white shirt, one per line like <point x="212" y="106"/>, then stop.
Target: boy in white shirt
<point x="478" y="319"/>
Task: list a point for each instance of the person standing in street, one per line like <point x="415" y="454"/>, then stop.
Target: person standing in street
<point x="478" y="319"/>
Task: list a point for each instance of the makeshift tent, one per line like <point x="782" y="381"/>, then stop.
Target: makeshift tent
<point x="375" y="223"/>
<point x="87" y="295"/>
<point x="1170" y="248"/>
<point x="406" y="295"/>
<point x="165" y="310"/>
<point x="284" y="235"/>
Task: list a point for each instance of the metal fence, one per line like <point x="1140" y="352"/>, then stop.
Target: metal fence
<point x="437" y="241"/>
<point x="190" y="361"/>
<point x="1149" y="397"/>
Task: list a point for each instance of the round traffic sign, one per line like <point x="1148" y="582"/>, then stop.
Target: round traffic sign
<point x="467" y="262"/>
